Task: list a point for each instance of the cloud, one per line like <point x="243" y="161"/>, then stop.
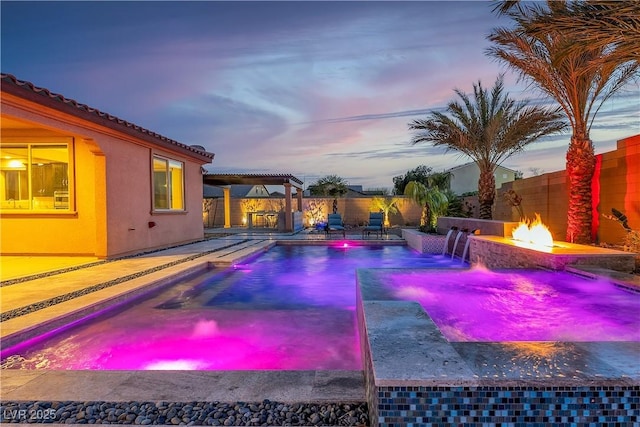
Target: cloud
<point x="310" y="88"/>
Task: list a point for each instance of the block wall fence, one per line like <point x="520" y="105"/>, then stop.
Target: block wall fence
<point x="354" y="211"/>
<point x="616" y="185"/>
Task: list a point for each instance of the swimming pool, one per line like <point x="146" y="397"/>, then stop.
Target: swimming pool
<point x="291" y="308"/>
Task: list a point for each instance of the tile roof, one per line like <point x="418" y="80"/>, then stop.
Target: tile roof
<point x="27" y="90"/>
<point x="250" y="178"/>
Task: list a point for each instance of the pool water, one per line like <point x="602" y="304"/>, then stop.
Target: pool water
<point x="517" y="305"/>
<point x="291" y="308"/>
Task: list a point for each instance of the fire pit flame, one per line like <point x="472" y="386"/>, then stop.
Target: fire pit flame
<point x="535" y="233"/>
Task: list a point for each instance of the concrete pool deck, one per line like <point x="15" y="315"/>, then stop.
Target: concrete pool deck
<point x="41" y="293"/>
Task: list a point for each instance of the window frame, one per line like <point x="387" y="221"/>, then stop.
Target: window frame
<point x="29" y="143"/>
<point x="168" y="160"/>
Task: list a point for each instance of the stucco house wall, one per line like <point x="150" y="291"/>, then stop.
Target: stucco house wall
<point x="464" y="178"/>
<point x="111" y="181"/>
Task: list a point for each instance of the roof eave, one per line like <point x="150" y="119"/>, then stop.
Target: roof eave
<point x="27" y="91"/>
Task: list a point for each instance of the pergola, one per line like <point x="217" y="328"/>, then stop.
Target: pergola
<point x="225" y="180"/>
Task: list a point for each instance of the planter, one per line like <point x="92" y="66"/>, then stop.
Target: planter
<point x="423" y="242"/>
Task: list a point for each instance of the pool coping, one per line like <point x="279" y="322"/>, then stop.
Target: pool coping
<point x="183" y="386"/>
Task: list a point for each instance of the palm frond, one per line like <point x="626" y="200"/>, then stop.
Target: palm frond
<point x="580" y="81"/>
<point x="610" y="25"/>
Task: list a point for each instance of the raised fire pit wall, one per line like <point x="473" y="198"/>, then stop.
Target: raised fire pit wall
<point x="486" y="226"/>
<point x="499" y="252"/>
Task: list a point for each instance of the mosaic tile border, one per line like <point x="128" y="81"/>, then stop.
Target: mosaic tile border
<point x="511" y="406"/>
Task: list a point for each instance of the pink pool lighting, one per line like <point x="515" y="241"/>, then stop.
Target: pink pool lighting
<point x="525" y="305"/>
<point x="205" y="339"/>
<point x="292" y="308"/>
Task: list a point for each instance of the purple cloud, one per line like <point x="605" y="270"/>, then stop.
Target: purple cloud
<point x="310" y="88"/>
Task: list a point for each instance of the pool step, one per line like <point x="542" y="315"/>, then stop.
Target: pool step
<point x="199" y="288"/>
<point x="239" y="252"/>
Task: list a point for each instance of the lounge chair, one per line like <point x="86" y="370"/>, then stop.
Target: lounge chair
<point x="375" y="224"/>
<point x="334" y="223"/>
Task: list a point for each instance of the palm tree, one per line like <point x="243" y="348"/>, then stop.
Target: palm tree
<point x="433" y="201"/>
<point x="330" y="185"/>
<point x="580" y="80"/>
<point x="488" y="130"/>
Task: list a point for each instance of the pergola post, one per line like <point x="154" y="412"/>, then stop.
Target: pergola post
<point x="226" y="191"/>
<point x="288" y="220"/>
<point x="299" y="194"/>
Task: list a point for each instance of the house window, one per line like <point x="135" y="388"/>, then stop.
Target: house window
<point x="168" y="184"/>
<point x="34" y="177"/>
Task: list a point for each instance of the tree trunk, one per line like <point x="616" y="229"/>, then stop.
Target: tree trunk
<point x="581" y="163"/>
<point x="425" y="216"/>
<point x="486" y="193"/>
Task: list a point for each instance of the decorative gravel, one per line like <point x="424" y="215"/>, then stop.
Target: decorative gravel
<point x="104" y="261"/>
<point x="265" y="413"/>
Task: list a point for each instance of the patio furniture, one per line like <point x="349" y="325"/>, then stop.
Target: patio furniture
<point x="334" y="223"/>
<point x="376" y="224"/>
<point x="272" y="219"/>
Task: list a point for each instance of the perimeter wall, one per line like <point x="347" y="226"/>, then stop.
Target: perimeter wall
<point x="354" y="211"/>
<point x="616" y="185"/>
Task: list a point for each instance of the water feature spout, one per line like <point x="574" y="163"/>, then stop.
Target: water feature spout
<point x="455" y="243"/>
<point x="466" y="244"/>
<point x="446" y="240"/>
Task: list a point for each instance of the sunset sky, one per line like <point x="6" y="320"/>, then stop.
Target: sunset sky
<point x="308" y="88"/>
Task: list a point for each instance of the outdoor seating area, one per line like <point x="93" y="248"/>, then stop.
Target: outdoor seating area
<point x="262" y="219"/>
